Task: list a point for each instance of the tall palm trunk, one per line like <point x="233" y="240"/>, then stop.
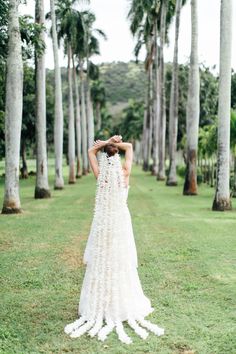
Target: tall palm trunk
<point x="162" y="125"/>
<point x="89" y="111"/>
<point x="192" y="114"/>
<point x="92" y="119"/>
<point x="147" y="126"/>
<point x="24" y="168"/>
<point x="174" y="103"/>
<point x="83" y="124"/>
<point x="58" y="110"/>
<point x="156" y="105"/>
<point x="77" y="121"/>
<point x="222" y="196"/>
<point x="137" y="152"/>
<point x="71" y="122"/>
<point x="98" y="116"/>
<point x="151" y="113"/>
<point x="144" y="136"/>
<point x="42" y="187"/>
<point x="13" y="117"/>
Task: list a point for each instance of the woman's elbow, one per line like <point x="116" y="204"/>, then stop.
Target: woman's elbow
<point x="130" y="145"/>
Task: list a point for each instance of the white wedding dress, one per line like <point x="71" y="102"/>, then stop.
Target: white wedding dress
<point x="111" y="289"/>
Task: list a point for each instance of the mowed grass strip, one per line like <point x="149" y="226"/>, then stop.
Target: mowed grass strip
<point x="187" y="266"/>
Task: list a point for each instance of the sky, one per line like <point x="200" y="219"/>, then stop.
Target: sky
<point x="112" y="19"/>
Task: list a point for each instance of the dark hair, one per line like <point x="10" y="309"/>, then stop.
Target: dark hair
<point x="111" y="149"/>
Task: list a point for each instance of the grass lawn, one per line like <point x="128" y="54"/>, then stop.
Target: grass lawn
<point x="187" y="266"/>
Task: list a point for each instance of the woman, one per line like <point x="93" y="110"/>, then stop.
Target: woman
<point x="111" y="289"/>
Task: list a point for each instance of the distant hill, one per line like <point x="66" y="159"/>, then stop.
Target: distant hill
<point x="123" y="81"/>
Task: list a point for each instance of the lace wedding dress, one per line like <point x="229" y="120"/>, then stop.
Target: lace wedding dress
<point x="111" y="289"/>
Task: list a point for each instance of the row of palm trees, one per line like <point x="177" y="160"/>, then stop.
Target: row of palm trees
<point x="149" y="23"/>
<point x="75" y="30"/>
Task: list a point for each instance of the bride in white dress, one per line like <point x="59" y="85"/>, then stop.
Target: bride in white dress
<point x="111" y="290"/>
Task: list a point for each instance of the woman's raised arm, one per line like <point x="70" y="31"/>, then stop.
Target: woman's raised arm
<point x="92" y="154"/>
<point x="128" y="148"/>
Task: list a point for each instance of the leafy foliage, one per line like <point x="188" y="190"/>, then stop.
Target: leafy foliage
<point x="2" y="108"/>
<point x="207" y="140"/>
<point x="233" y="91"/>
<point x="30" y="36"/>
<point x="233" y="131"/>
<point x="98" y="93"/>
<point x="4" y="7"/>
<point x="131" y="125"/>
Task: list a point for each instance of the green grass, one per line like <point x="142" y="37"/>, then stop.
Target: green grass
<point x="187" y="266"/>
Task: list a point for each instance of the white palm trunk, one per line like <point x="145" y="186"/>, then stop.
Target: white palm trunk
<point x="156" y="105"/>
<point x="98" y="116"/>
<point x="147" y="126"/>
<point x="42" y="187"/>
<point x="92" y="121"/>
<point x="58" y="110"/>
<point x="89" y="112"/>
<point x="222" y="197"/>
<point x="174" y="103"/>
<point x="71" y="122"/>
<point x="192" y="114"/>
<point x="13" y="117"/>
<point x="144" y="137"/>
<point x="137" y="152"/>
<point x="77" y="122"/>
<point x="162" y="122"/>
<point x="83" y="125"/>
<point x="150" y="121"/>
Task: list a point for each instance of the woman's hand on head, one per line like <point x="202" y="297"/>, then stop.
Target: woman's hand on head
<point x="115" y="139"/>
<point x="98" y="144"/>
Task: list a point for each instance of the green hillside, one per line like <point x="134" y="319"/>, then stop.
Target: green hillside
<point x="123" y="81"/>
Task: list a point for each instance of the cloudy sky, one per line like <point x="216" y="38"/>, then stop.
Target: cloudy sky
<point x="112" y="19"/>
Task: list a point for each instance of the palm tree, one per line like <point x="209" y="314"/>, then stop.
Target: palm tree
<point x="162" y="120"/>
<point x="141" y="17"/>
<point x="192" y="114"/>
<point x="174" y="102"/>
<point x="89" y="109"/>
<point x="58" y="117"/>
<point x="156" y="102"/>
<point x="222" y="196"/>
<point x="149" y="21"/>
<point x="77" y="120"/>
<point x="83" y="120"/>
<point x="85" y="46"/>
<point x="71" y="119"/>
<point x="13" y="118"/>
<point x="80" y="112"/>
<point x="41" y="187"/>
<point x="67" y="25"/>
<point x="79" y="49"/>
